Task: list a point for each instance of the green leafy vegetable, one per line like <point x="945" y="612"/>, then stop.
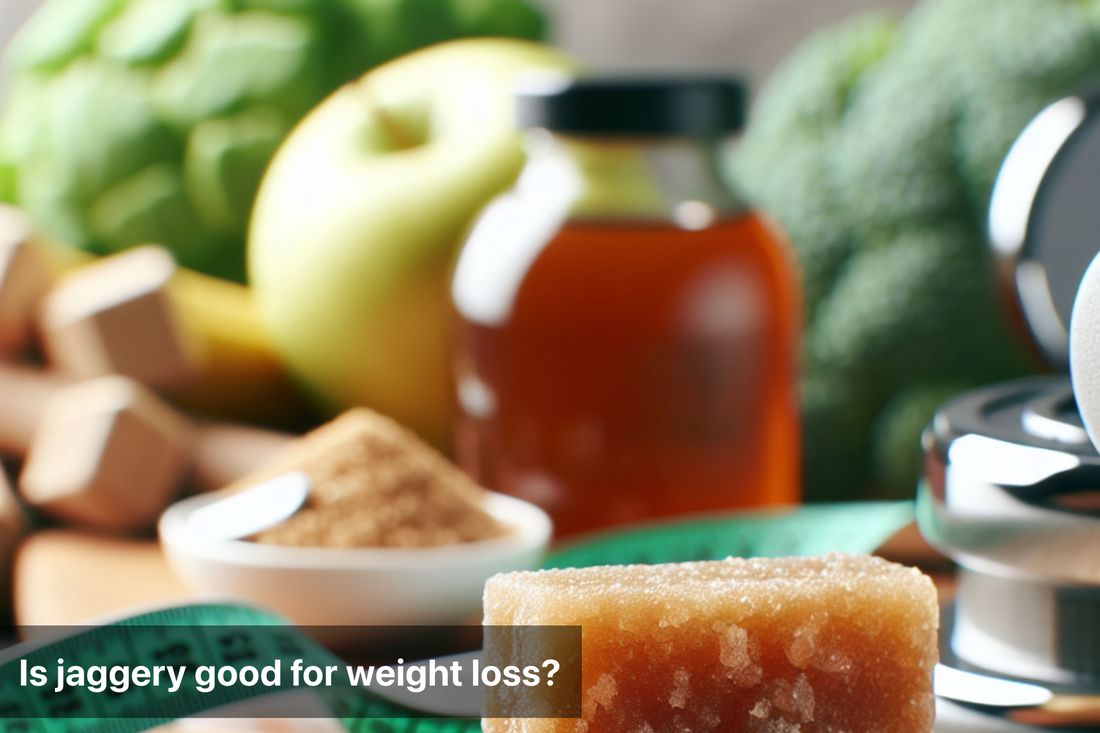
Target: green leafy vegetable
<point x="135" y="121"/>
<point x="877" y="146"/>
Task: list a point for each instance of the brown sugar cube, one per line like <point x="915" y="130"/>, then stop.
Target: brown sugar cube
<point x="107" y="454"/>
<point x="223" y="452"/>
<point x="115" y="317"/>
<point x="25" y="277"/>
<point x="65" y="577"/>
<point x="24" y="393"/>
<point x="798" y="645"/>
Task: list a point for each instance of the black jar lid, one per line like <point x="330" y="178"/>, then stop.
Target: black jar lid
<point x="662" y="106"/>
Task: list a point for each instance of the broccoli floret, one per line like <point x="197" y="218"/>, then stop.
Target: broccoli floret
<point x="808" y="95"/>
<point x="913" y="309"/>
<point x="916" y="307"/>
<point x="876" y="146"/>
<point x="785" y="156"/>
<point x="895" y="456"/>
<point x="893" y="161"/>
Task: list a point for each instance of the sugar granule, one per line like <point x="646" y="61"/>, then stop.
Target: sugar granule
<point x="376" y="484"/>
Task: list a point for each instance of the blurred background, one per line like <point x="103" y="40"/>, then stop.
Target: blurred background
<point x="747" y="34"/>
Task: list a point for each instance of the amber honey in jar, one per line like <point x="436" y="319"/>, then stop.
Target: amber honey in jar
<point x="628" y="327"/>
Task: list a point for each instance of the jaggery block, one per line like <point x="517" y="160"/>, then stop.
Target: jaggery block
<point x="116" y="317"/>
<point x="65" y="577"/>
<point x="800" y="645"/>
<point x="107" y="454"/>
<point x="25" y="277"/>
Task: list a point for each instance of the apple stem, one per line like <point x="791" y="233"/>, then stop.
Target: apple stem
<point x="402" y="140"/>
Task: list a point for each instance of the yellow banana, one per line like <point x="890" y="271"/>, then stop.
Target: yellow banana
<point x="241" y="377"/>
<point x="240" y="374"/>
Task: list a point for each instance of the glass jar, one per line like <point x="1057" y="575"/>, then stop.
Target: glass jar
<point x="628" y="327"/>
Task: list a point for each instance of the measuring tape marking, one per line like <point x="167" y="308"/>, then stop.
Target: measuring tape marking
<point x="183" y="636"/>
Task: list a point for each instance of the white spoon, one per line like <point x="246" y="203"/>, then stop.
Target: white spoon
<point x="251" y="511"/>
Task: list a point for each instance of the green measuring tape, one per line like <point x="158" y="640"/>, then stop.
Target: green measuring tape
<point x="810" y="530"/>
<point x="192" y="635"/>
<point x="218" y="634"/>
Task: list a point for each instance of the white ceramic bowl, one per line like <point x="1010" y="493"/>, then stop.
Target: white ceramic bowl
<point x="320" y="586"/>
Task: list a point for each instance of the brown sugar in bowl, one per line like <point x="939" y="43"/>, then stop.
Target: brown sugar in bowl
<point x="391" y="534"/>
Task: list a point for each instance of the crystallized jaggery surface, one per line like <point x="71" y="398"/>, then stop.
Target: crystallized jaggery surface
<point x="832" y="644"/>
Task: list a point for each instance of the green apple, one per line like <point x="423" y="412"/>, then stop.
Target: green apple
<point x="360" y="213"/>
